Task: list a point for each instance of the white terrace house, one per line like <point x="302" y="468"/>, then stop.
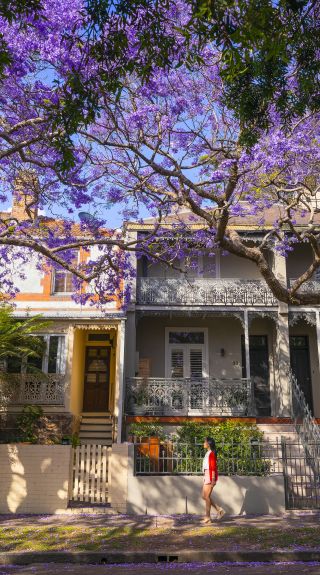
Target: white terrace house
<point x="216" y="343"/>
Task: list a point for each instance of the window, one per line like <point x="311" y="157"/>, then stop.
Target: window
<point x="98" y="337"/>
<point x="186" y="337"/>
<point x="62" y="282"/>
<point x="186" y="355"/>
<point x="62" y="279"/>
<point x="53" y="360"/>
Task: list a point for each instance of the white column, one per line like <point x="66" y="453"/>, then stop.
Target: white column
<point x="318" y="334"/>
<point x="247" y="342"/>
<point x="247" y="354"/>
<point x="283" y="399"/>
<point x="119" y="391"/>
<point x="131" y="347"/>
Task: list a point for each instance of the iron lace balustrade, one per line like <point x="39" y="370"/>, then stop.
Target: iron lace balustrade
<point x="203" y="292"/>
<point x="31" y="388"/>
<point x="183" y="396"/>
<point x="306" y="427"/>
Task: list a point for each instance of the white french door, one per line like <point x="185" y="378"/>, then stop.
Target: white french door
<point x="186" y="361"/>
<point x="186" y="355"/>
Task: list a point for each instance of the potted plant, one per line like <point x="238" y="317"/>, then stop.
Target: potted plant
<point x="139" y="398"/>
<point x="149" y="436"/>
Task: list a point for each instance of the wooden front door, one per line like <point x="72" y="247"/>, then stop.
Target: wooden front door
<point x="96" y="379"/>
<point x="300" y="365"/>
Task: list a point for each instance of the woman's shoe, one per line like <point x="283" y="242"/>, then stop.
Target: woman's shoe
<point x="220" y="513"/>
<point x="206" y="520"/>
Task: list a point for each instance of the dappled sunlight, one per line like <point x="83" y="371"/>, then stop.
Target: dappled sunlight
<point x="34" y="478"/>
<point x="18" y="488"/>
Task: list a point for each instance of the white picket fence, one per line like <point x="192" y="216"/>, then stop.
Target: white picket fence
<point x="90" y="473"/>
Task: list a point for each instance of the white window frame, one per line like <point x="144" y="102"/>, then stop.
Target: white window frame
<point x="61" y="353"/>
<point x="204" y="346"/>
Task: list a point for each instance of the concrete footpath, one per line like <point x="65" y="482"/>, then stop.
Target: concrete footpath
<point x="287" y="521"/>
<point x="162" y="554"/>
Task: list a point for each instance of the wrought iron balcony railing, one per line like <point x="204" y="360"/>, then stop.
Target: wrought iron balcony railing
<point x="207" y="396"/>
<point x="30" y="388"/>
<point x="204" y="292"/>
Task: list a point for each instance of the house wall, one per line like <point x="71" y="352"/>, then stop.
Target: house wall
<point x="223" y="333"/>
<point x="34" y="478"/>
<point x="298" y="261"/>
<point x="232" y="266"/>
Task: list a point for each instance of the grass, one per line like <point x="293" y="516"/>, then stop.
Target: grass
<point x="79" y="538"/>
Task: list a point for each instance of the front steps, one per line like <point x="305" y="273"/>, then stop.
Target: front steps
<point x="274" y="431"/>
<point x="96" y="428"/>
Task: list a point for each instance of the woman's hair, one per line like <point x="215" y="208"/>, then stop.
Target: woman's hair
<point x="212" y="444"/>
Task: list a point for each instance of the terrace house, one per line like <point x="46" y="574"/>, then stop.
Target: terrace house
<point x="212" y="341"/>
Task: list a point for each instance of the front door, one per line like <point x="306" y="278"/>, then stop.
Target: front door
<point x="259" y="369"/>
<point x="300" y="365"/>
<point x="96" y="379"/>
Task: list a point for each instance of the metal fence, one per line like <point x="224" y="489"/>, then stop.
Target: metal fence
<point x="170" y="458"/>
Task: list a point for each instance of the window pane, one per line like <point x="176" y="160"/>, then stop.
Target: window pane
<point x="176" y="363"/>
<point x="196" y="363"/>
<point x="98" y="337"/>
<point x="299" y="341"/>
<point x="69" y="282"/>
<point x="53" y="354"/>
<point x="59" y="281"/>
<point x="186" y="337"/>
<point x="34" y="363"/>
<point x="63" y="281"/>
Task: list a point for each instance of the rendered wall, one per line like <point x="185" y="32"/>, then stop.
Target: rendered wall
<point x="34" y="478"/>
<point x="222" y="333"/>
<point x="171" y="494"/>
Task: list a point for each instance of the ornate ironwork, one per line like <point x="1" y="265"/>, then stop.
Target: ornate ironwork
<point x="204" y="292"/>
<point x="307" y="317"/>
<point x="306" y="426"/>
<point x="308" y="286"/>
<point x="207" y="396"/>
<point x="30" y="388"/>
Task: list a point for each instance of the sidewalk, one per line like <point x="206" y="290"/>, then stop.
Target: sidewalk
<point x="175" y="536"/>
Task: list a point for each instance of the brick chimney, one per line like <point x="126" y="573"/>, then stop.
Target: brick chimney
<point x="25" y="196"/>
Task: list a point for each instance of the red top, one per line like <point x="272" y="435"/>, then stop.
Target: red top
<point x="213" y="466"/>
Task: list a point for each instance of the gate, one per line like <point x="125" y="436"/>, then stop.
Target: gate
<point x="302" y="483"/>
<point x="90" y="473"/>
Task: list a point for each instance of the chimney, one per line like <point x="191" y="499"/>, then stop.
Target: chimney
<point x="25" y="196"/>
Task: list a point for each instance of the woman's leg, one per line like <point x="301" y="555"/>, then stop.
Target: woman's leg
<point x="207" y="490"/>
<point x="217" y="508"/>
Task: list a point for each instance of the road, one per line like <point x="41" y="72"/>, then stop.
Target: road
<point x="172" y="569"/>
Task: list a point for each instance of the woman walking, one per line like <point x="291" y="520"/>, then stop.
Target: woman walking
<point x="210" y="478"/>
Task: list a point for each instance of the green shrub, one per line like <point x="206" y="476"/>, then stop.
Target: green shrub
<point x="147" y="430"/>
<point x="28" y="423"/>
<point x="238" y="448"/>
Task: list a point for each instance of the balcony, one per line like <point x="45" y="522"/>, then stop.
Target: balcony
<point x="188" y="397"/>
<point x="34" y="389"/>
<point x="203" y="292"/>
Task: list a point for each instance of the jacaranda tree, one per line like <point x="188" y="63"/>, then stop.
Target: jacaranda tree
<point x="159" y="143"/>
